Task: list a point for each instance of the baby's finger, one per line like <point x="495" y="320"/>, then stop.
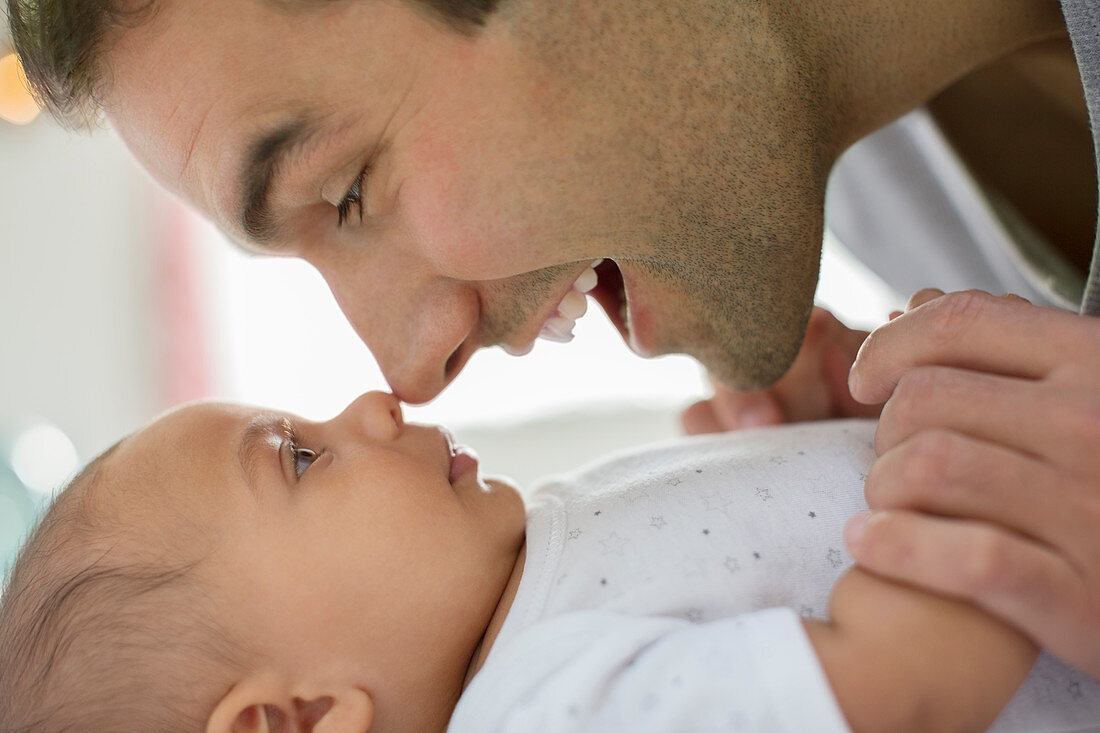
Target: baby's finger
<point x="921" y="297"/>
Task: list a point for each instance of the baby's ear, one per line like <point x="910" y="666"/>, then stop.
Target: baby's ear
<point x="262" y="704"/>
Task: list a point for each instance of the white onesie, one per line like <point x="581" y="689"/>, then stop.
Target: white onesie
<point x="662" y="592"/>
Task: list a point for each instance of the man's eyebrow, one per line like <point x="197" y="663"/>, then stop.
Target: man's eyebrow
<point x="262" y="161"/>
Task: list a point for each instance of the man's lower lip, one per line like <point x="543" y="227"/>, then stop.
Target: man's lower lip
<point x="463" y="463"/>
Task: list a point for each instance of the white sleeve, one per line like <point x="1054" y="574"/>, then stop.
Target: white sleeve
<point x="598" y="671"/>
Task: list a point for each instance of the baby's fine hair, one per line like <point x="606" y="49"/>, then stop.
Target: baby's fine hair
<point x="95" y="640"/>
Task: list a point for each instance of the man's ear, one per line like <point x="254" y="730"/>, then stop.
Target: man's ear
<point x="263" y="704"/>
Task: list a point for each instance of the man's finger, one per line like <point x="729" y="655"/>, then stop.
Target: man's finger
<point x="994" y="409"/>
<point x="949" y="474"/>
<point x="971" y="330"/>
<point x="1020" y="581"/>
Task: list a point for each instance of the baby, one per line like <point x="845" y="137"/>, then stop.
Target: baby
<point x="232" y="570"/>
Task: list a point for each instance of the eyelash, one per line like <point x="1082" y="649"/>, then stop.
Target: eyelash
<point x="354" y="197"/>
<point x="297" y="453"/>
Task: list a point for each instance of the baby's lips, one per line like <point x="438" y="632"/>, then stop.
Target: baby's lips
<point x="463" y="462"/>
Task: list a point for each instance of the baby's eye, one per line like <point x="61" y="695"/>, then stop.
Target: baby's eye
<point x="303" y="459"/>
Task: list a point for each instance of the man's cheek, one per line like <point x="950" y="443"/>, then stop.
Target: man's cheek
<point x="449" y="222"/>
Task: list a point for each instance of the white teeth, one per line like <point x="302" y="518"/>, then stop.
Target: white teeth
<point x="558" y="329"/>
<point x="573" y="305"/>
<point x="586" y="281"/>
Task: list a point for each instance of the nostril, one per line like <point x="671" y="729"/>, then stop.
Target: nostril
<point x="454" y="363"/>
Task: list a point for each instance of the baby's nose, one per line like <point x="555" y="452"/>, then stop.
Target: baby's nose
<point x="378" y="414"/>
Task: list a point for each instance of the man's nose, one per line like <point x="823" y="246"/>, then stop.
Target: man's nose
<point x="422" y="333"/>
<point x="374" y="415"/>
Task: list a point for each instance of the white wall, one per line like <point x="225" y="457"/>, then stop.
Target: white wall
<point x="77" y="346"/>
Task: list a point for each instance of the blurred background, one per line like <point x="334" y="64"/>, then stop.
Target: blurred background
<point x="119" y="303"/>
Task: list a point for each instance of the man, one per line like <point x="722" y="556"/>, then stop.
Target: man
<point x="456" y="171"/>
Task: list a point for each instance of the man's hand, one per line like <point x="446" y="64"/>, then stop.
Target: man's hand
<point x="987" y="485"/>
<point x="815" y="387"/>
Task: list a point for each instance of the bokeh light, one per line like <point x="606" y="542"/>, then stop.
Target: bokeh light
<point x="16" y="103"/>
<point x="43" y="458"/>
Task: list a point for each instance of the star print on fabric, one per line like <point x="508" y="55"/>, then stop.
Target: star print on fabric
<point x="731" y="564"/>
<point x="657" y="522"/>
<point x="603" y="581"/>
<point x="813" y="515"/>
<point x="801" y="452"/>
<point x="835" y="558"/>
<point x="1075" y="690"/>
<point x="694" y="615"/>
<point x="716" y="502"/>
<point x="597" y="513"/>
<point x="805" y="612"/>
<point x="756" y="555"/>
<point x="764" y="494"/>
<point x="574" y="534"/>
<point x="674" y="481"/>
<point x="706" y="531"/>
<point x="698" y="470"/>
<point x="777" y="460"/>
<point x="614" y="544"/>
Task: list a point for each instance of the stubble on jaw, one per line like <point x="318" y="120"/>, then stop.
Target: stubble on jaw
<point x="718" y="140"/>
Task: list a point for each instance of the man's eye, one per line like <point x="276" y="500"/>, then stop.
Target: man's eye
<point x="352" y="199"/>
<point x="303" y="459"/>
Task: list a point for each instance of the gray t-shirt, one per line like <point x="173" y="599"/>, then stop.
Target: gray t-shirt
<point x="903" y="202"/>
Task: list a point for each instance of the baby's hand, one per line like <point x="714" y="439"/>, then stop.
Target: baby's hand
<point x="814" y="388"/>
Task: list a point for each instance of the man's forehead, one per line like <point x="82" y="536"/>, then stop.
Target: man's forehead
<point x="185" y="86"/>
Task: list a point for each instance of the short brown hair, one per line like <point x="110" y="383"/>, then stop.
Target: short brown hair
<point x="60" y="43"/>
<point x="91" y="642"/>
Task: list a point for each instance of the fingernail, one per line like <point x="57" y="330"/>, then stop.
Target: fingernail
<point x="853" y="533"/>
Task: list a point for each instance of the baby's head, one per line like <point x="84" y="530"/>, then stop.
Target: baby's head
<point x="232" y="569"/>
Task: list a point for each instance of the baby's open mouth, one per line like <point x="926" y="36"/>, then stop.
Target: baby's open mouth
<point x="462" y="459"/>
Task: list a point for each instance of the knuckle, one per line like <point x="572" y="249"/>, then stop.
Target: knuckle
<point x="927" y="460"/>
<point x="1085" y="422"/>
<point x="988" y="568"/>
<point x="954" y="314"/>
<point x="884" y="547"/>
<point x="911" y="394"/>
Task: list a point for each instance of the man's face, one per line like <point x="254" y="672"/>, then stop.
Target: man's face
<point x="451" y="189"/>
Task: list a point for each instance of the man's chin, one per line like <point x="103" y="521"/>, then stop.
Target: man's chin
<point x="749" y="367"/>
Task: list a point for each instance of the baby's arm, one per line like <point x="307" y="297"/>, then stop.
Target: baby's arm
<point x="899" y="659"/>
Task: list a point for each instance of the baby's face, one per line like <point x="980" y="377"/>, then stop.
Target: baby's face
<point x="359" y="546"/>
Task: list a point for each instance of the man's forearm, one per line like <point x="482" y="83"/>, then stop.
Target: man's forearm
<point x="899" y="659"/>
